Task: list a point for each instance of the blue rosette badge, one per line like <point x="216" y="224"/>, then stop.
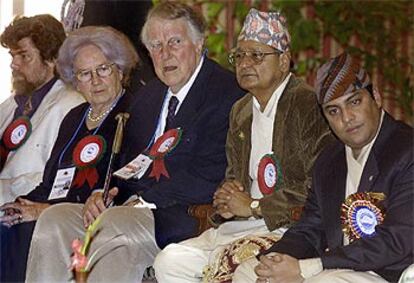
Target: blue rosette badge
<point x="361" y="213"/>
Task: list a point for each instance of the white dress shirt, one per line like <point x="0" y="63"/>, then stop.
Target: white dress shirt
<point x="262" y="134"/>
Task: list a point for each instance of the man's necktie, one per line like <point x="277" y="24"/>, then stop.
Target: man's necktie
<point x="172" y="106"/>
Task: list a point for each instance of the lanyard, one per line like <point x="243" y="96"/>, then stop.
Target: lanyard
<point x="80" y="125"/>
<point x="158" y="124"/>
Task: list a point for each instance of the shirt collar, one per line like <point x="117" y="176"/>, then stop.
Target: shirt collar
<point x="36" y="98"/>
<point x="182" y="93"/>
<point x="270" y="107"/>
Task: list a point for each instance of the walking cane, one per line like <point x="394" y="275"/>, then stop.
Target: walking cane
<point x="116" y="148"/>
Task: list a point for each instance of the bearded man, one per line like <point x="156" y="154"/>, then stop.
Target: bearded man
<point x="30" y="118"/>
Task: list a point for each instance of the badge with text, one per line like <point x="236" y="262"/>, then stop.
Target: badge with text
<point x="136" y="168"/>
<point x="62" y="183"/>
<point x="361" y="213"/>
<point x="164" y="145"/>
<point x="15" y="135"/>
<point x="269" y="174"/>
<point x="86" y="155"/>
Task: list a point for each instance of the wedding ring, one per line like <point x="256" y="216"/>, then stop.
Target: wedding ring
<point x="20" y="219"/>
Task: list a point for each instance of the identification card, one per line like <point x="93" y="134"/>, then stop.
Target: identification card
<point x="136" y="168"/>
<point x="62" y="183"/>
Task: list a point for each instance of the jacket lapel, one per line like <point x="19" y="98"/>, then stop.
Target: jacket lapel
<point x="334" y="186"/>
<point x="369" y="175"/>
<point x="371" y="171"/>
<point x="47" y="103"/>
<point x="281" y="113"/>
<point x="195" y="97"/>
<point x="244" y="137"/>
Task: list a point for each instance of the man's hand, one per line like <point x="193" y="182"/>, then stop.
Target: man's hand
<point x="22" y="210"/>
<point x="276" y="267"/>
<point x="94" y="205"/>
<point x="231" y="200"/>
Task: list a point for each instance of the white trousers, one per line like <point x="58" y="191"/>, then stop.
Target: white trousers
<point x="59" y="225"/>
<point x="246" y="274"/>
<point x="185" y="261"/>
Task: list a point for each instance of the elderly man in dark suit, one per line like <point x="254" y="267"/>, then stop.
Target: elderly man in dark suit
<point x="183" y="118"/>
<point x="364" y="183"/>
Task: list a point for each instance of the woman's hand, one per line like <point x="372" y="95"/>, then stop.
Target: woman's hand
<point x="22" y="210"/>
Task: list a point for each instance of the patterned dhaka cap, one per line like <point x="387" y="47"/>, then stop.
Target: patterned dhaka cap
<point x="339" y="76"/>
<point x="266" y="27"/>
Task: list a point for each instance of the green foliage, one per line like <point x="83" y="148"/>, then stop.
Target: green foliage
<point x="378" y="26"/>
<point x="306" y="35"/>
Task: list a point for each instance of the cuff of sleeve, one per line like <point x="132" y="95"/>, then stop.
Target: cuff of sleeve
<point x="310" y="267"/>
<point x="143" y="204"/>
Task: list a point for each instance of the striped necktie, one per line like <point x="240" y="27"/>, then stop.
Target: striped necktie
<point x="172" y="106"/>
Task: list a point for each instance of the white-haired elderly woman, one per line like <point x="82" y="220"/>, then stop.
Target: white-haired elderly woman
<point x="96" y="61"/>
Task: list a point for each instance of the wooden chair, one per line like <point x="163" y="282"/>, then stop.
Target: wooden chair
<point x="202" y="213"/>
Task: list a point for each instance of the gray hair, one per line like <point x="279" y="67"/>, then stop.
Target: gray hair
<point x="116" y="47"/>
<point x="174" y="11"/>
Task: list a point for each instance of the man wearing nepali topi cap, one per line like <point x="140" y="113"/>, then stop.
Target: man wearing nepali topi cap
<point x="275" y="134"/>
<point x="358" y="222"/>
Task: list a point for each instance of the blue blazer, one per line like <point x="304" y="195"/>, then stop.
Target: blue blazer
<point x="197" y="164"/>
<point x="390" y="170"/>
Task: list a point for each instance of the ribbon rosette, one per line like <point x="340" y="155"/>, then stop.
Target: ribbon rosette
<point x="269" y="174"/>
<point x="15" y="135"/>
<point x="361" y="213"/>
<point x="86" y="155"/>
<point x="164" y="145"/>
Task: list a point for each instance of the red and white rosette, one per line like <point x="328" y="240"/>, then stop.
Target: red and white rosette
<point x="361" y="213"/>
<point x="86" y="155"/>
<point x="164" y="145"/>
<point x="269" y="174"/>
<point x="15" y="135"/>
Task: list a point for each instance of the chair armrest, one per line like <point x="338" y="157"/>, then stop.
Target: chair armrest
<point x="202" y="213"/>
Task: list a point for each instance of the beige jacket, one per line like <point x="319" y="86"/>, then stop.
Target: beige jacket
<point x="24" y="167"/>
<point x="299" y="134"/>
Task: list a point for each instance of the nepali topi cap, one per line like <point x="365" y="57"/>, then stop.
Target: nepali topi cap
<point x="340" y="76"/>
<point x="269" y="28"/>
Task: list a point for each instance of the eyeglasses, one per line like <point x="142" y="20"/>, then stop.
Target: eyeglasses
<point x="102" y="71"/>
<point x="236" y="57"/>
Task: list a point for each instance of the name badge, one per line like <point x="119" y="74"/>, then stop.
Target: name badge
<point x="62" y="183"/>
<point x="136" y="168"/>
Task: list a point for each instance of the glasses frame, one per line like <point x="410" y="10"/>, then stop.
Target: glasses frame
<point x="95" y="70"/>
<point x="256" y="59"/>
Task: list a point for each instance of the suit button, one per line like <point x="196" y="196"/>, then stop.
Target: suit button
<point x="370" y="178"/>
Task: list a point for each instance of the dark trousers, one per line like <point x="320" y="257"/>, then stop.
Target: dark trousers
<point x="14" y="250"/>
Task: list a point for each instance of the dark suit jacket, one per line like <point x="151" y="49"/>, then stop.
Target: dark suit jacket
<point x="390" y="170"/>
<point x="197" y="164"/>
<point x="66" y="131"/>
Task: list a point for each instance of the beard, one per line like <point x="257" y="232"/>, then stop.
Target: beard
<point x="20" y="84"/>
